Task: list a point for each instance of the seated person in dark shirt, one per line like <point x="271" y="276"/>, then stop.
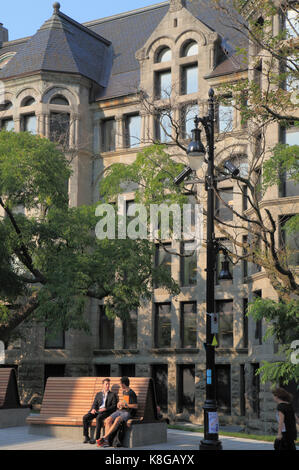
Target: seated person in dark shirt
<point x="104" y="404"/>
<point x="126" y="409"/>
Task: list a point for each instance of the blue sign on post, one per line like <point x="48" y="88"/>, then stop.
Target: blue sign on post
<point x="209" y="376"/>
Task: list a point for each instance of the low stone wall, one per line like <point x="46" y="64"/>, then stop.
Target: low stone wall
<point x="13" y="417"/>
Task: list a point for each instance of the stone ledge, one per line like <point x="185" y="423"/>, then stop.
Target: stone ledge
<point x="12" y="417"/>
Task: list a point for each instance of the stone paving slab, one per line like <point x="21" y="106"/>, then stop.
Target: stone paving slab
<point x="18" y="438"/>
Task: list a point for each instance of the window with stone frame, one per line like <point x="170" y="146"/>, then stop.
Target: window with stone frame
<point x="225" y="336"/>
<point x="108" y="134"/>
<point x="188" y="264"/>
<point x="189" y="79"/>
<point x="186" y="388"/>
<point x="188" y="324"/>
<point x="289" y="187"/>
<point x="7" y="124"/>
<point x="163" y="84"/>
<point x="54" y="339"/>
<point x="162" y="325"/>
<point x="163" y="126"/>
<point x="159" y="373"/>
<point x="223" y="387"/>
<point x="60" y="128"/>
<point x="29" y="123"/>
<point x="225" y="114"/>
<point x="289" y="241"/>
<point x="132" y="130"/>
<point x="222" y="211"/>
<point x="164" y="55"/>
<point x="188" y="113"/>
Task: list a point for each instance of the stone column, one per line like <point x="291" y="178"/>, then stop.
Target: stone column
<point x="119" y="131"/>
<point x="172" y="388"/>
<point x="118" y="334"/>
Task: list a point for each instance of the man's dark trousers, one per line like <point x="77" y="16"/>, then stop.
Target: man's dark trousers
<point x="87" y="419"/>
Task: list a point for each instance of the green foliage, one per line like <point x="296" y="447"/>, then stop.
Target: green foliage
<point x="284" y="159"/>
<point x="56" y="245"/>
<point x="283" y="325"/>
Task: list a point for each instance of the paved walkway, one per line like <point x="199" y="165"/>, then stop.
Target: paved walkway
<point x="18" y="438"/>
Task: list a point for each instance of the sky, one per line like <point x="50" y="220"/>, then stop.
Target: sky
<point x="24" y="17"/>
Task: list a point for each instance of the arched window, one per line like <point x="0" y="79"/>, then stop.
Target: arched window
<point x="28" y="101"/>
<point x="59" y="99"/>
<point x="5" y="106"/>
<point x="164" y="55"/>
<point x="190" y="49"/>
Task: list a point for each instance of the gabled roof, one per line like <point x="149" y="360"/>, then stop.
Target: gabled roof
<point x="62" y="45"/>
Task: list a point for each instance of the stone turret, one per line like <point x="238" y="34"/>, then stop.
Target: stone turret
<point x="3" y="34"/>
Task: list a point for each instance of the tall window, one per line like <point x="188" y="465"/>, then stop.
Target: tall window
<point x="106" y="330"/>
<point x="130" y="331"/>
<point x="162" y="325"/>
<point x="223" y="388"/>
<point x="108" y="135"/>
<point x="7" y="124"/>
<point x="189" y="79"/>
<point x="289" y="187"/>
<point x="132" y="130"/>
<point x="258" y="333"/>
<point x="226" y="323"/>
<point x="289" y="241"/>
<point x="187" y="119"/>
<point x="163" y="127"/>
<point x="163" y="257"/>
<point x="255" y="390"/>
<point x="224" y="212"/>
<point x="163" y="84"/>
<point x="225" y="117"/>
<point x="188" y="265"/>
<point x="160" y="378"/>
<point x="188" y="324"/>
<point x="245" y="323"/>
<point x="29" y="123"/>
<point x="186" y="388"/>
<point x="60" y="128"/>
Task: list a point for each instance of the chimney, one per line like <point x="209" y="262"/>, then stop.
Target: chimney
<point x="176" y="5"/>
<point x="3" y="34"/>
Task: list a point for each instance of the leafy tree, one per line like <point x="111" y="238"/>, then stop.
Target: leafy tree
<point x="51" y="262"/>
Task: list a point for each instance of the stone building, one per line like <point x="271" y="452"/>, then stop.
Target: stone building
<point x="83" y="82"/>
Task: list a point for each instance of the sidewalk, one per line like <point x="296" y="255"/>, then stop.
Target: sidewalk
<point x="18" y="438"/>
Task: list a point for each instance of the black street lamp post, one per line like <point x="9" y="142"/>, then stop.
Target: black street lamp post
<point x="196" y="153"/>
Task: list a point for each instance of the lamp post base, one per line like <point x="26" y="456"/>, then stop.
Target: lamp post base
<point x="210" y="445"/>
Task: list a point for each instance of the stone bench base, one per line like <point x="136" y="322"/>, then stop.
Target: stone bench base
<point x="136" y="436"/>
<point x="13" y="417"/>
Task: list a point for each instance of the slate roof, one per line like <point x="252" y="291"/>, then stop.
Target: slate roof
<point x="61" y="45"/>
<point x="104" y="50"/>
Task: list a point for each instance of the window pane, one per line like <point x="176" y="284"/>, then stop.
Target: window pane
<point x="188" y="116"/>
<point x="8" y="124"/>
<point x="292" y="24"/>
<point x="223" y="389"/>
<point x="30" y="124"/>
<point x="188" y="324"/>
<point x="60" y="128"/>
<point x="163" y="326"/>
<point x="225" y="117"/>
<point x="164" y="55"/>
<point x="186" y="388"/>
<point x="163" y="85"/>
<point x="188" y="266"/>
<point x="225" y="310"/>
<point x="290" y="242"/>
<point x="108" y="135"/>
<point x="164" y="128"/>
<point x="222" y="211"/>
<point x="59" y="99"/>
<point x="133" y="127"/>
<point x="54" y="339"/>
<point x="190" y="79"/>
<point x="160" y="378"/>
<point x="191" y="49"/>
<point x="289" y="186"/>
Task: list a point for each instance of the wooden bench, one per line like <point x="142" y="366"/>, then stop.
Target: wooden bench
<point x="12" y="413"/>
<point x="67" y="399"/>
